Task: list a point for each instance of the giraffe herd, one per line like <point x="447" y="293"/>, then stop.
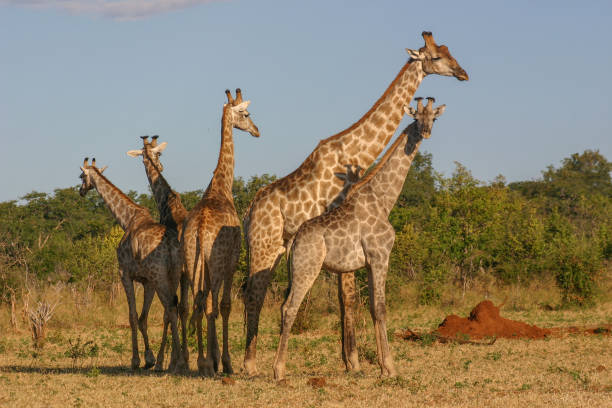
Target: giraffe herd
<point x="322" y="215"/>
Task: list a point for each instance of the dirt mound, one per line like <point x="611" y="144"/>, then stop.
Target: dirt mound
<point x="485" y="321"/>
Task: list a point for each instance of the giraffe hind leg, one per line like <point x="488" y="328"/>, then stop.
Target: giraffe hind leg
<point x="149" y="293"/>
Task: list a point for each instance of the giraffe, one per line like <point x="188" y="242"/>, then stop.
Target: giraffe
<point x="357" y="234"/>
<point x="278" y="209"/>
<point x="211" y="240"/>
<point x="148" y="253"/>
<point x="172" y="213"/>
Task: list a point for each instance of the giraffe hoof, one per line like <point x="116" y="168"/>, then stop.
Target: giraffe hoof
<point x="135" y="363"/>
<point x="227" y="369"/>
<point x="250" y="368"/>
<point x="207" y="371"/>
<point x="149" y="359"/>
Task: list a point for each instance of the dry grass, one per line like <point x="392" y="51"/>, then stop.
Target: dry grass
<point x="571" y="371"/>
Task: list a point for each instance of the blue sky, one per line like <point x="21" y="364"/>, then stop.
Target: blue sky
<point x="88" y="77"/>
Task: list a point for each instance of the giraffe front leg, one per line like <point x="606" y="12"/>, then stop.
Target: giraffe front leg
<point x="128" y="286"/>
<point x="376" y="286"/>
<point x="254" y="296"/>
<point x="149" y="293"/>
<point x="303" y="275"/>
<point x="347" y="295"/>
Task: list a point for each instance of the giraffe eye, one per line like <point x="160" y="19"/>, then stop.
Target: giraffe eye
<point x="436" y="58"/>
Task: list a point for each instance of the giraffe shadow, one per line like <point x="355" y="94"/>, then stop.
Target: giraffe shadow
<point x="113" y="371"/>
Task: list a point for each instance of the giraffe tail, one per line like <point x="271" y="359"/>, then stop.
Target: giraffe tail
<point x="198" y="310"/>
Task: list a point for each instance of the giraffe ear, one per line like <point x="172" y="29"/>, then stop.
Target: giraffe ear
<point x="160" y="147"/>
<point x="134" y="153"/>
<point x="415" y="54"/>
<point x="341" y="176"/>
<point x="409" y="110"/>
<point x="241" y="106"/>
<point x="102" y="169"/>
<point x="82" y="169"/>
<point x="439" y="110"/>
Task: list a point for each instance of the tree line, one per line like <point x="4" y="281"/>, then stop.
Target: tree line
<point x="454" y="229"/>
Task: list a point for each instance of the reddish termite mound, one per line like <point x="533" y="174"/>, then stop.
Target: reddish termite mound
<point x="485" y="321"/>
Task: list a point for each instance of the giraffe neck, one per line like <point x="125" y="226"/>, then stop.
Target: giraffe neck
<point x="125" y="211"/>
<point x="171" y="209"/>
<point x="360" y="144"/>
<point x="387" y="178"/>
<point x="363" y="141"/>
<point x="223" y="177"/>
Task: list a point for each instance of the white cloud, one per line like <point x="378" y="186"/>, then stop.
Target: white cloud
<point x="115" y="9"/>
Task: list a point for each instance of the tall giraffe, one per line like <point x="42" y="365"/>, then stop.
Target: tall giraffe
<point x="148" y="253"/>
<point x="280" y="208"/>
<point x="357" y="234"/>
<point x="211" y="240"/>
<point x="172" y="213"/>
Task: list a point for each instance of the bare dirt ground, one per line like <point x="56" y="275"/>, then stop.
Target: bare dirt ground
<point x="85" y="363"/>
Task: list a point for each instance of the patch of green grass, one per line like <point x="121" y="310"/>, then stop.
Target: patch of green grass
<point x="461" y="384"/>
<point x="427" y="339"/>
<point x="118" y="348"/>
<point x="525" y="387"/>
<point x="576" y="375"/>
<point x="466" y="364"/>
<point x="367" y="354"/>
<point x="55" y="337"/>
<point x="78" y="350"/>
<point x="94" y="372"/>
<point x="495" y="355"/>
<point x="413" y="384"/>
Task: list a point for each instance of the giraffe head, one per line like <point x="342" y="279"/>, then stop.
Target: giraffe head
<point x="424" y="115"/>
<point x="436" y="59"/>
<point x="235" y="111"/>
<point x="87" y="175"/>
<point x="351" y="176"/>
<point x="150" y="150"/>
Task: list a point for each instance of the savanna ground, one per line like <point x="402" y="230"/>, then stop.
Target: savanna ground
<point x="85" y="358"/>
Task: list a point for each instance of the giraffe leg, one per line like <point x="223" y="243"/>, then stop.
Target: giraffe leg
<point x="305" y="269"/>
<point x="149" y="293"/>
<point x="210" y="365"/>
<point x="159" y="364"/>
<point x="211" y="332"/>
<point x="257" y="285"/>
<point x="226" y="303"/>
<point x="169" y="302"/>
<point x="347" y="292"/>
<point x="128" y="286"/>
<point x="376" y="286"/>
<point x="197" y="316"/>
<point x="183" y="312"/>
